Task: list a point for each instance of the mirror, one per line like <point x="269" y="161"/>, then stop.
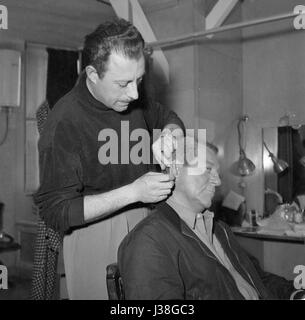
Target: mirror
<point x="286" y="143"/>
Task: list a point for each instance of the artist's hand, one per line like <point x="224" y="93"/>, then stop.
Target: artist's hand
<point x="164" y="147"/>
<point x="152" y="187"/>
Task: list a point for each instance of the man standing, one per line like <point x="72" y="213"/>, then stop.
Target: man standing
<point x="95" y="203"/>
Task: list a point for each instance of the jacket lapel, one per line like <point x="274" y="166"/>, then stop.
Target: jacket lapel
<point x="224" y="239"/>
<point x="170" y="214"/>
<point x="234" y="256"/>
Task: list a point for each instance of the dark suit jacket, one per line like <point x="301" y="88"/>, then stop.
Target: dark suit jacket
<point x="162" y="258"/>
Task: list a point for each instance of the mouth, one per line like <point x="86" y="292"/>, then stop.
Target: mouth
<point x="210" y="190"/>
<point x="126" y="103"/>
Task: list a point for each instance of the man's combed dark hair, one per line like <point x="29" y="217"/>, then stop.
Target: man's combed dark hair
<point x="118" y="36"/>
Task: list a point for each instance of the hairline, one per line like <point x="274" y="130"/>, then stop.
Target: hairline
<point x="120" y="53"/>
<point x="210" y="147"/>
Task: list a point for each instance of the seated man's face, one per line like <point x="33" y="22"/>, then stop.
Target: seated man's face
<point x="198" y="190"/>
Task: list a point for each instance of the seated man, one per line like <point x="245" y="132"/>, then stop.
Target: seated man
<point x="178" y="252"/>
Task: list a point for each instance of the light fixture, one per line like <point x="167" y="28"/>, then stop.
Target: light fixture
<point x="244" y="166"/>
<point x="279" y="165"/>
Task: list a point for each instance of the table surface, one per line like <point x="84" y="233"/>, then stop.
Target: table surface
<point x="253" y="232"/>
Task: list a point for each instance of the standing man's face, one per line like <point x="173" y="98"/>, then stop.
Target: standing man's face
<point x="119" y="85"/>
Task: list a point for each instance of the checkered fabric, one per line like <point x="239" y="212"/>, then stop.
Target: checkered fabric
<point x="44" y="277"/>
<point x="47" y="245"/>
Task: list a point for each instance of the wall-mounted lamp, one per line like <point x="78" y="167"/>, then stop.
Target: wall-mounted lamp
<point x="279" y="165"/>
<point x="244" y="166"/>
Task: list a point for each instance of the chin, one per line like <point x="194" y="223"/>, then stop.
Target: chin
<point x="206" y="204"/>
<point x="120" y="109"/>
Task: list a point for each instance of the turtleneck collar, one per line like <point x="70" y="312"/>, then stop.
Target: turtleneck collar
<point x="86" y="96"/>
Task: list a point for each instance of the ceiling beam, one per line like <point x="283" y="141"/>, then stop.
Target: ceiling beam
<point x="134" y="12"/>
<point x="105" y="2"/>
<point x="121" y="8"/>
<point x="219" y="13"/>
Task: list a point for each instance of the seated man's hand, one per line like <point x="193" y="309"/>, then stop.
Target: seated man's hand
<point x="152" y="187"/>
<point x="165" y="146"/>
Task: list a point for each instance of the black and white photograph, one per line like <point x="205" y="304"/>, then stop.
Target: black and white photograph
<point x="152" y="150"/>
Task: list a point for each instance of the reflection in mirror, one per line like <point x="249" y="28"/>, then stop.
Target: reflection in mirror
<point x="287" y="144"/>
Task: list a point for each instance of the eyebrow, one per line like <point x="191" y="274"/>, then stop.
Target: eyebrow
<point x="127" y="81"/>
<point x="210" y="163"/>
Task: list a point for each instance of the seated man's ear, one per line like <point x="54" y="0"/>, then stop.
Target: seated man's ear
<point x="92" y="74"/>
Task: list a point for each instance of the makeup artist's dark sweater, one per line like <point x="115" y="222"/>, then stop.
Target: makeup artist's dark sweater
<point x="69" y="148"/>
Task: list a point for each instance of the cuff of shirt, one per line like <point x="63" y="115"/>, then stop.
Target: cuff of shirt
<point x="76" y="212"/>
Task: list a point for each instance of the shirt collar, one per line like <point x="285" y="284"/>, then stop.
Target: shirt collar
<point x="188" y="216"/>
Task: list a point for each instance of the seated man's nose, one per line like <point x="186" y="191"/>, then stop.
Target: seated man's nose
<point x="216" y="180"/>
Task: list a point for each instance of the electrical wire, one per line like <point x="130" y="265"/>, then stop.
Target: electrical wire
<point x="6" y="128"/>
<point x="241" y="134"/>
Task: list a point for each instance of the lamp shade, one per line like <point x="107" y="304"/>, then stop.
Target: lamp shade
<point x="279" y="165"/>
<point x="245" y="166"/>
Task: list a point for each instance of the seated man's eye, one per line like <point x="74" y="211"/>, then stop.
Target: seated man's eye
<point x="123" y="85"/>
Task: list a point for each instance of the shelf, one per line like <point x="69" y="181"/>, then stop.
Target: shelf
<point x="256" y="233"/>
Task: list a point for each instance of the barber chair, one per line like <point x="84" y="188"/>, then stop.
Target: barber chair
<point x="114" y="282"/>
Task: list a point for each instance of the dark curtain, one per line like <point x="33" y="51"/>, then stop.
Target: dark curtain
<point x="291" y="182"/>
<point x="62" y="73"/>
<point x="285" y="152"/>
<point x="298" y="168"/>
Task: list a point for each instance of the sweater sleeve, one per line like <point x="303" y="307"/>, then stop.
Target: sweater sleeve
<point x="59" y="197"/>
<point x="157" y="117"/>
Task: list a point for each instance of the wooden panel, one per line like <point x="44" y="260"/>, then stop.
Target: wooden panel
<point x="276" y="257"/>
<point x="31" y="157"/>
<point x="219" y="13"/>
<point x="36" y="79"/>
<point x="281" y="258"/>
